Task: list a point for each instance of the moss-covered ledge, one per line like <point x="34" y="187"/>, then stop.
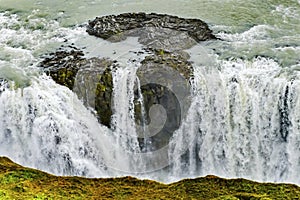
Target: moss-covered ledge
<point x="17" y="182"/>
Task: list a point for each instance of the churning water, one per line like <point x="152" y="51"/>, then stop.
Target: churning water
<point x="243" y="119"/>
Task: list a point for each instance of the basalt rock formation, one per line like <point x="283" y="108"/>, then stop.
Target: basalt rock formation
<point x="164" y="80"/>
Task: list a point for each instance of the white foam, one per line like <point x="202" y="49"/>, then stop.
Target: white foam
<point x="256" y="33"/>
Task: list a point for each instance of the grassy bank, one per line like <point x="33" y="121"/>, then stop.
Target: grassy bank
<point x="17" y="182"/>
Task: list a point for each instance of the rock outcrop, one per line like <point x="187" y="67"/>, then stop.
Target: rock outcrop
<point x="108" y="26"/>
<point x="164" y="73"/>
<point x="63" y="65"/>
<point x="90" y="79"/>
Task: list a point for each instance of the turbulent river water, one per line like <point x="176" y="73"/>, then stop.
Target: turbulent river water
<point x="244" y="115"/>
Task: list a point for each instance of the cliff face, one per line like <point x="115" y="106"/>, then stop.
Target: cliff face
<point x="19" y="182"/>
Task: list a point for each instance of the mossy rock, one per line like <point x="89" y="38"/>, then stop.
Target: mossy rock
<point x="63" y="65"/>
<point x="19" y="182"/>
<point x="94" y="86"/>
<point x="175" y="60"/>
<point x="90" y="79"/>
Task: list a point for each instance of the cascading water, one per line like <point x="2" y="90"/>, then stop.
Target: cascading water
<point x="243" y="118"/>
<point x="243" y="122"/>
<point x="47" y="125"/>
<point x="123" y="122"/>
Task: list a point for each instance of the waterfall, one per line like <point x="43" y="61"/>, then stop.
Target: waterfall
<point x="123" y="120"/>
<point x="45" y="126"/>
<point x="241" y="118"/>
<point x="243" y="122"/>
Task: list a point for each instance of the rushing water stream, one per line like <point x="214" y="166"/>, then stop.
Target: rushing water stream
<point x="244" y="113"/>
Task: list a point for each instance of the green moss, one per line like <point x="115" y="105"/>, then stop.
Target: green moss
<point x="65" y="77"/>
<point x="161" y="52"/>
<point x="41" y="197"/>
<point x="18" y="182"/>
<point x="3" y="194"/>
<point x="103" y="97"/>
<point x="227" y="197"/>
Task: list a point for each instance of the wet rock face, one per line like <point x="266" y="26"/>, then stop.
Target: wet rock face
<point x="94" y="85"/>
<point x="155" y="30"/>
<point x="164" y="79"/>
<point x="63" y="65"/>
<point x="90" y="79"/>
<point x="174" y="60"/>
